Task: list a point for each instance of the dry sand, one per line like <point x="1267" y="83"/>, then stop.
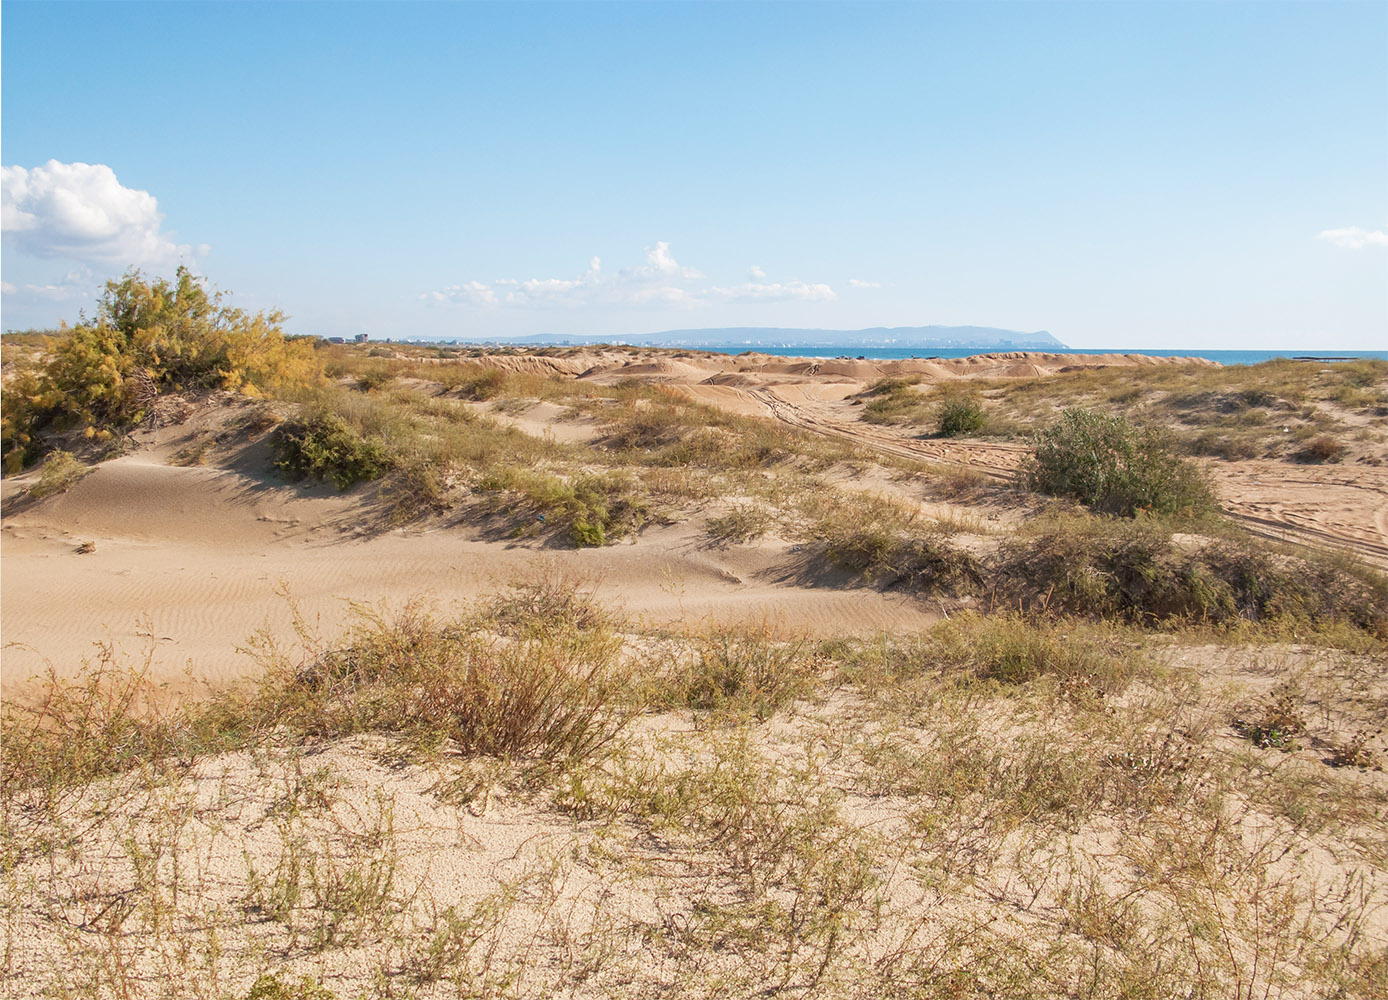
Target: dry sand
<point x="190" y="561"/>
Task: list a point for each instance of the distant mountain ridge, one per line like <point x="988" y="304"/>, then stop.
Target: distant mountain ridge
<point x="753" y="337"/>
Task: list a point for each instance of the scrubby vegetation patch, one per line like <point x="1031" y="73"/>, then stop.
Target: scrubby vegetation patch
<point x="1113" y="467"/>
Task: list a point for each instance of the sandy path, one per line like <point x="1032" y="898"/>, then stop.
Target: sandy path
<point x="1315" y="505"/>
<point x="189" y="563"/>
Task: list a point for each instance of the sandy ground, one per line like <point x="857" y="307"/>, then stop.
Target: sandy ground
<point x="190" y="561"/>
<point x="171" y="882"/>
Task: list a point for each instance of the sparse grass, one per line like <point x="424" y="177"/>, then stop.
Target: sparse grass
<point x="745" y="522"/>
<point x="540" y="695"/>
<point x="740" y="669"/>
<point x="1241" y="411"/>
<point x="533" y="796"/>
<point x="900" y="816"/>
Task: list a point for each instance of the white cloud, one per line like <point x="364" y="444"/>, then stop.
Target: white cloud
<point x="1354" y="238"/>
<point x="762" y="291"/>
<point x="660" y="266"/>
<point x="472" y="293"/>
<point x="7" y="288"/>
<point x="660" y="281"/>
<point x="855" y="283"/>
<point x="81" y="211"/>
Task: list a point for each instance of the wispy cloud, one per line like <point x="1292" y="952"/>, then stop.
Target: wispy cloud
<point x="855" y="283"/>
<point x="1354" y="238"/>
<point x="82" y="212"/>
<point x="75" y="285"/>
<point x="660" y="280"/>
<point x="775" y="291"/>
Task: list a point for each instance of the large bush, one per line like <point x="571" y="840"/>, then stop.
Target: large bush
<point x="1115" y="468"/>
<point x="149" y="336"/>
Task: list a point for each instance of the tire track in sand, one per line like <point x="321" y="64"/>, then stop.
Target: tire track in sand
<point x="1317" y="506"/>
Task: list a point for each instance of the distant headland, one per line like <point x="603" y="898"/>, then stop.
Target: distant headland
<point x="753" y="337"/>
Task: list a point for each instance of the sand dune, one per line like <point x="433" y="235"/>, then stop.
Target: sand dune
<point x="189" y="562"/>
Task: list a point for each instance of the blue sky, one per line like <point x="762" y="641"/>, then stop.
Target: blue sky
<point x="1120" y="174"/>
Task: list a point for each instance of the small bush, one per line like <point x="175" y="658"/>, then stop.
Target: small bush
<point x="1279" y="723"/>
<point x="60" y="471"/>
<point x="1013" y="649"/>
<point x="413" y="489"/>
<point x="474" y="382"/>
<point x="744" y="668"/>
<point x="1113" y="467"/>
<point x="274" y="988"/>
<point x="922" y="563"/>
<point x="1135" y="571"/>
<point x="742" y="523"/>
<point x="1321" y="449"/>
<point x="596" y="508"/>
<point x="960" y="415"/>
<point x="1217" y="445"/>
<point x="374" y="377"/>
<point x="323" y="446"/>
<point x="536" y="694"/>
<point x="587" y="534"/>
<point x="893" y="400"/>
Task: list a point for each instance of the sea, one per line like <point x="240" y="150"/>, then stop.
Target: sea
<point x="896" y="353"/>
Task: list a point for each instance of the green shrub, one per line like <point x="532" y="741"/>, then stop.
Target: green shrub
<point x="1014" y="649"/>
<point x="60" y="470"/>
<point x="922" y="563"/>
<point x="1115" y="468"/>
<point x="588" y="535"/>
<point x="323" y="446"/>
<point x="960" y="415"/>
<point x="1134" y="571"/>
<point x="596" y="508"/>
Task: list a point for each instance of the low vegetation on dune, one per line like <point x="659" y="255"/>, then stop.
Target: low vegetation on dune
<point x="1302" y="411"/>
<point x="1003" y="806"/>
<point x="1139" y="756"/>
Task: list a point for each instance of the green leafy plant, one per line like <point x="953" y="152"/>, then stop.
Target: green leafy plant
<point x="60" y="471"/>
<point x="323" y="446"/>
<point x="960" y="415"/>
<point x="1114" y="467"/>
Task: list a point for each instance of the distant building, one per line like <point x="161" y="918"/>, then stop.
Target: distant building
<point x="336" y="340"/>
<point x="361" y="338"/>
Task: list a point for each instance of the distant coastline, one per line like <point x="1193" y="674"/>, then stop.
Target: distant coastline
<point x="873" y="353"/>
<point x="890" y="353"/>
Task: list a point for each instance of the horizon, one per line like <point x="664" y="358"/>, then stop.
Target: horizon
<point x="1138" y="176"/>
